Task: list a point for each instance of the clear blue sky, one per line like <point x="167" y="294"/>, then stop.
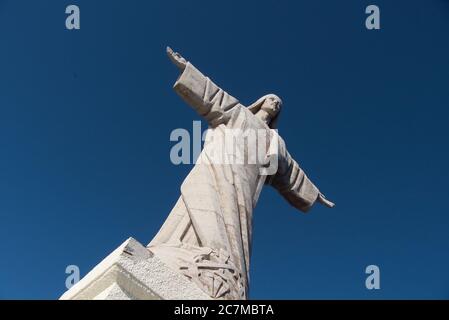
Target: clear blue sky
<point x="85" y="119"/>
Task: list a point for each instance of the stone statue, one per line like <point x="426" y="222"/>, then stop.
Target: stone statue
<point x="207" y="235"/>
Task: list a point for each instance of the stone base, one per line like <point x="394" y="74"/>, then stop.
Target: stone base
<point x="132" y="272"/>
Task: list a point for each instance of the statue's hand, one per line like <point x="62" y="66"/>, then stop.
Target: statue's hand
<point x="177" y="59"/>
<point x="324" y="201"/>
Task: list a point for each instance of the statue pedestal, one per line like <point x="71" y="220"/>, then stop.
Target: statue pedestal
<point x="132" y="272"/>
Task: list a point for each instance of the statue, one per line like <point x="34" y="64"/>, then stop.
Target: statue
<point x="207" y="235"/>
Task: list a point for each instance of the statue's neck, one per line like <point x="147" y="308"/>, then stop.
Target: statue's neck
<point x="264" y="116"/>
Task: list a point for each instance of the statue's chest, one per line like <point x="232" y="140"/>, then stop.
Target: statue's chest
<point x="244" y="141"/>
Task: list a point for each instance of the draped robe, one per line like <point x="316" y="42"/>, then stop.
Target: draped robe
<point x="207" y="235"/>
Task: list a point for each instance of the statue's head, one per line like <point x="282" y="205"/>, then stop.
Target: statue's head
<point x="268" y="108"/>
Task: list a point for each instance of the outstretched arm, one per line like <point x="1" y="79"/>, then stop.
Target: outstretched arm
<point x="197" y="90"/>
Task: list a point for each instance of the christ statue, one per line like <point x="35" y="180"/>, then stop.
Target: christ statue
<point x="207" y="235"/>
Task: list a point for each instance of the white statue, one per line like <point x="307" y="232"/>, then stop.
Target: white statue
<point x="207" y="235"/>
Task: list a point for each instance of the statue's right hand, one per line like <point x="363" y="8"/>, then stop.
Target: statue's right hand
<point x="177" y="59"/>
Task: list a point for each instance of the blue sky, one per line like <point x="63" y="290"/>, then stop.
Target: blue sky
<point x="85" y="120"/>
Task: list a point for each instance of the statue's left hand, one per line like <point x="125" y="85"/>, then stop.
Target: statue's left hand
<point x="177" y="59"/>
<point x="325" y="202"/>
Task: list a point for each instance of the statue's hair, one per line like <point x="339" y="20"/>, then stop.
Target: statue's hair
<point x="256" y="106"/>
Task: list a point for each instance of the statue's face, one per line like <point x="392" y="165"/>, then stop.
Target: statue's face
<point x="272" y="105"/>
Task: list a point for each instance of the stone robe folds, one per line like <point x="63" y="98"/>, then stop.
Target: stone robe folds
<point x="207" y="235"/>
